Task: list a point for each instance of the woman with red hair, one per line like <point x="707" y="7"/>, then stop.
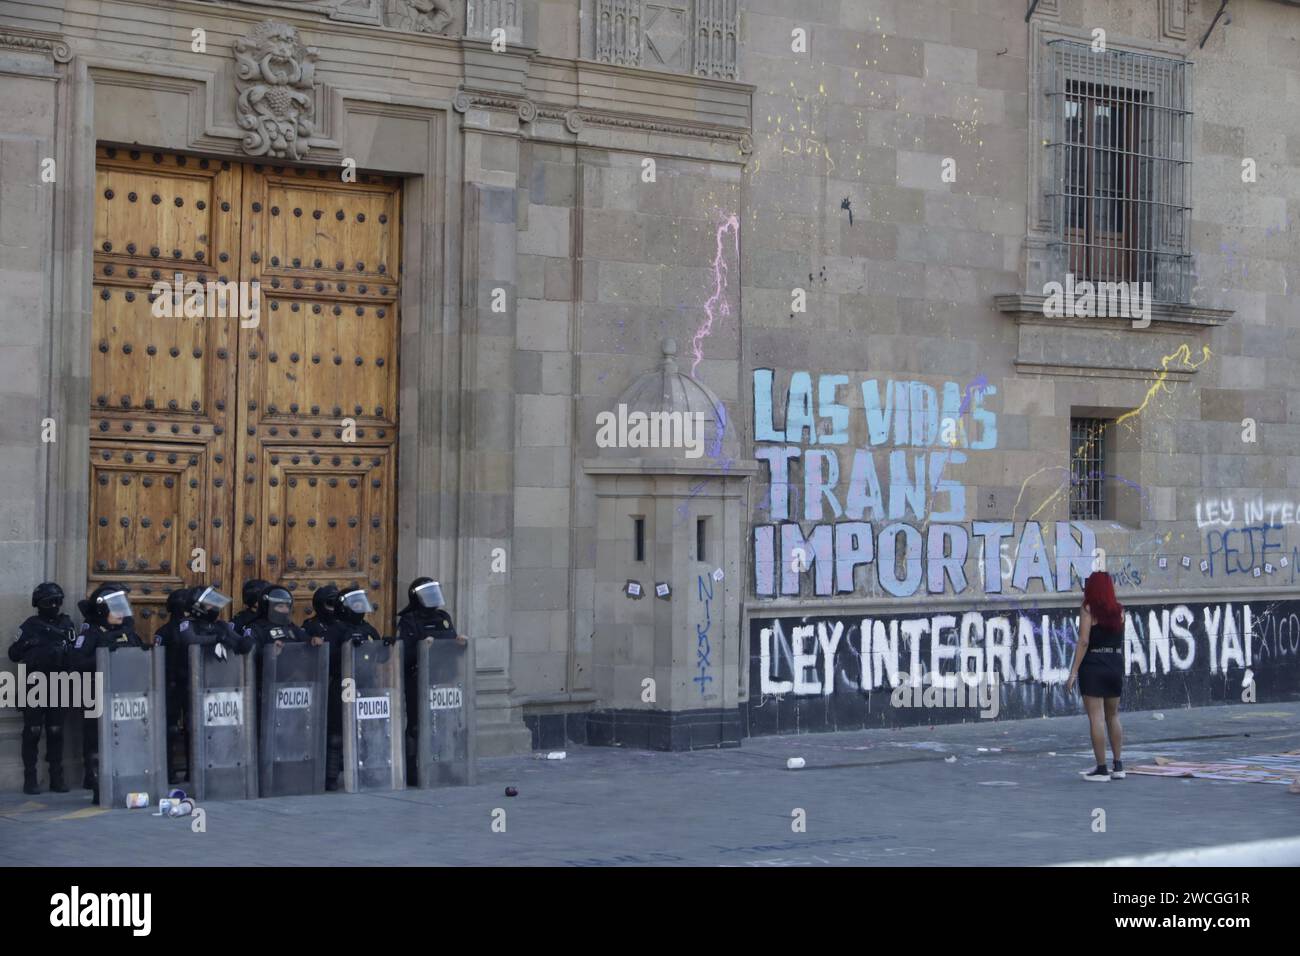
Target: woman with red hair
<point x="1099" y="668"/>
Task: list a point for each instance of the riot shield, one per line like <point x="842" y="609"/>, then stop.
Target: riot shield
<point x="222" y="724"/>
<point x="292" y="720"/>
<point x="374" y="757"/>
<point x="445" y="698"/>
<point x="133" y="726"/>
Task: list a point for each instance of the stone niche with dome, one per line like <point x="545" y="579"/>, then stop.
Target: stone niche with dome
<point x="668" y="515"/>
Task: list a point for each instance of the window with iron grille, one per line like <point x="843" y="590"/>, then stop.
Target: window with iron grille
<point x="1087" y="468"/>
<point x="1119" y="165"/>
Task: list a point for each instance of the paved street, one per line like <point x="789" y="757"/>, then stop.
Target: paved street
<point x="876" y="798"/>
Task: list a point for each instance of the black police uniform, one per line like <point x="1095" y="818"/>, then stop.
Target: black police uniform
<point x="414" y="624"/>
<point x="96" y="633"/>
<point x="168" y="636"/>
<point x="181" y="632"/>
<point x="41" y="647"/>
<point x="250" y="593"/>
<point x="262" y="632"/>
<point x="322" y="603"/>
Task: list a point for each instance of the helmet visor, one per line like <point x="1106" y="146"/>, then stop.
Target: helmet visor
<point x="356" y="601"/>
<point x="429" y="595"/>
<point x="212" y="601"/>
<point x="279" y="605"/>
<point x="116" y="602"/>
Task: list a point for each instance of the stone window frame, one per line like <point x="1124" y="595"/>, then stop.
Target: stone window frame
<point x="1124" y="501"/>
<point x="1041" y="261"/>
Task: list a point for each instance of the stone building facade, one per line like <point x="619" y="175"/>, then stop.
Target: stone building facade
<point x="825" y="233"/>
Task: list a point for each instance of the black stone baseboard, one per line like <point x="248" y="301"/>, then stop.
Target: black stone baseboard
<point x="552" y="731"/>
<point x="639" y="729"/>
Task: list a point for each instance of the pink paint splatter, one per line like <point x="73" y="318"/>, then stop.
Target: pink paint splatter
<point x="718" y="300"/>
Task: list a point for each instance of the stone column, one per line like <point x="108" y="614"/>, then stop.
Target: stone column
<point x="489" y="318"/>
<point x="33" y="171"/>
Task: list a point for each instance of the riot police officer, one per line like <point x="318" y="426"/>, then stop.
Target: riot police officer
<point x="425" y="617"/>
<point x="169" y="637"/>
<point x="41" y="645"/>
<point x="274" y="621"/>
<point x="349" y="609"/>
<point x="322" y="605"/>
<point x="195" y="620"/>
<point x="106" y="622"/>
<point x="250" y="593"/>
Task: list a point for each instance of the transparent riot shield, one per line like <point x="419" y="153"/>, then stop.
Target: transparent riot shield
<point x="373" y="751"/>
<point x="292" y="720"/>
<point x="133" y="726"/>
<point x="222" y="724"/>
<point x="445" y="698"/>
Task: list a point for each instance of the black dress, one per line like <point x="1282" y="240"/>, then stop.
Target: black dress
<point x="1101" y="674"/>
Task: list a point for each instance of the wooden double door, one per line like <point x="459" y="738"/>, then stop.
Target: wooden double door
<point x="227" y="445"/>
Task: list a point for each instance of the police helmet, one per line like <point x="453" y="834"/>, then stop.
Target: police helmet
<point x="47" y="596"/>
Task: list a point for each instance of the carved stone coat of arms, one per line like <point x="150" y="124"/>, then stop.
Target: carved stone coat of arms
<point x="275" y="73"/>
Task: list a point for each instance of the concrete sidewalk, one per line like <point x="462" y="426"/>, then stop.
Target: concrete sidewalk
<point x="886" y="797"/>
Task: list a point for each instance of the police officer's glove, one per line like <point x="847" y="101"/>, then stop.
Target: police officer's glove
<point x="390" y="640"/>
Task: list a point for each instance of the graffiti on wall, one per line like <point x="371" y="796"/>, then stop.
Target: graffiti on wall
<point x="890" y="517"/>
<point x="703" y="648"/>
<point x="1211" y="512"/>
<point x="825" y="672"/>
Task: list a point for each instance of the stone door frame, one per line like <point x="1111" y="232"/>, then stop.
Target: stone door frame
<point x="108" y="100"/>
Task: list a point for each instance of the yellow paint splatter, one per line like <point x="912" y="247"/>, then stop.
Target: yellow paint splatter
<point x="1182" y="354"/>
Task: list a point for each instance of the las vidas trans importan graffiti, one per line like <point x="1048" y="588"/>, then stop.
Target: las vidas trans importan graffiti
<point x="888" y="519"/>
<point x="894" y="506"/>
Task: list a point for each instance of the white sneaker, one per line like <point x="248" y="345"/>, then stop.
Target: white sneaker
<point x="1097" y="775"/>
<point x="1117" y="773"/>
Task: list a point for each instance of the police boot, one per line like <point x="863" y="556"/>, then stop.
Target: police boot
<point x="29" y="781"/>
<point x="333" y="761"/>
<point x="57" y="783"/>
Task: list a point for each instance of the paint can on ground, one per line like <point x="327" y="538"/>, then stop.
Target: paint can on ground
<point x="794" y="763"/>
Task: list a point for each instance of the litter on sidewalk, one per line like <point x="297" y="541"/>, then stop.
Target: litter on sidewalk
<point x="1262" y="768"/>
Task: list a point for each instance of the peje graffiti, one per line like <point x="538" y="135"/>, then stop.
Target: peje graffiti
<point x="826" y="673"/>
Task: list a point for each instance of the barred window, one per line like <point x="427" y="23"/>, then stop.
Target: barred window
<point x="1087" y="468"/>
<point x="1119" y="147"/>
